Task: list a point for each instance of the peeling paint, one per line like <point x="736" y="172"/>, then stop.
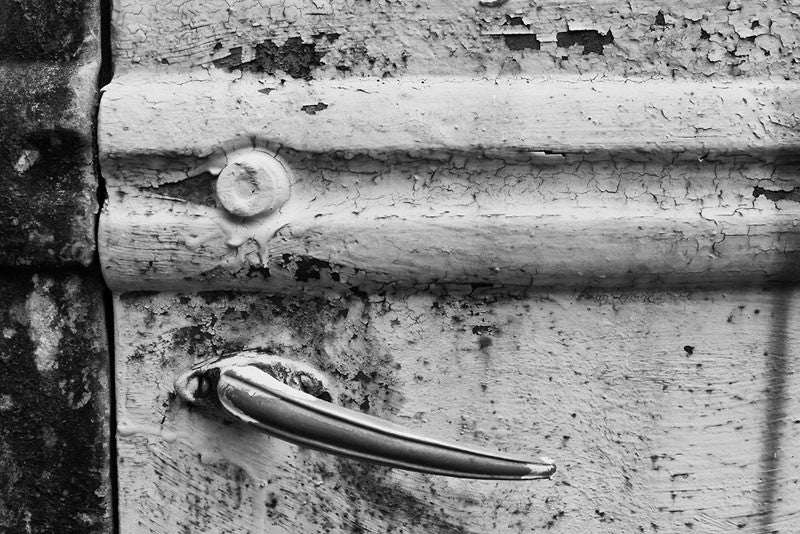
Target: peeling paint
<point x="458" y="38"/>
<point x="664" y="392"/>
<point x="592" y="41"/>
<point x="313" y="109"/>
<point x="293" y="57"/>
<point x="779" y="194"/>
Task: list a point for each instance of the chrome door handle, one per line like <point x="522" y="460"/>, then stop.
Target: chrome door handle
<point x="291" y="401"/>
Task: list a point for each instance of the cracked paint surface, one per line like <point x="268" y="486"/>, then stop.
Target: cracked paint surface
<point x="600" y="187"/>
<point x="414" y="260"/>
<point x="345" y="216"/>
<point x="598" y="377"/>
<point x="679" y="39"/>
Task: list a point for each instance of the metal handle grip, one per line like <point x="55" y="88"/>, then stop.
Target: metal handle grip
<point x="250" y="391"/>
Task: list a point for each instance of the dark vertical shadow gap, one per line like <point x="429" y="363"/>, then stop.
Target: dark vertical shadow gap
<point x="776" y="391"/>
<point x="107" y="63"/>
<point x="104" y="77"/>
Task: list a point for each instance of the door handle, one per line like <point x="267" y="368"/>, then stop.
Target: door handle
<point x="292" y="401"/>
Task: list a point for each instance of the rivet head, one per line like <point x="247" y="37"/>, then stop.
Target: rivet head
<point x="253" y="183"/>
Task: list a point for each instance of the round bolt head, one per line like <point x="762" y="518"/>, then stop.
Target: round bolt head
<point x="253" y="183"/>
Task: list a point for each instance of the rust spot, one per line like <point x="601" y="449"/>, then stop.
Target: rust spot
<point x="592" y="40"/>
<point x="778" y="194"/>
<point x="312" y="109"/>
<point x="484" y="329"/>
<point x="520" y="41"/>
<point x="294" y="57"/>
<point x="330" y="37"/>
<point x="306" y="268"/>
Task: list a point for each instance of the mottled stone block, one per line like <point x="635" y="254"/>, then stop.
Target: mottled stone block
<point x="54" y="380"/>
<point x="54" y="405"/>
<point x="49" y="60"/>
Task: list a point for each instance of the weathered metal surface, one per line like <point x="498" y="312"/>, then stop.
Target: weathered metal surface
<point x="331" y="39"/>
<point x="296" y="403"/>
<point x="558" y="116"/>
<point x="402" y="262"/>
<point x="49" y="60"/>
<point x="667" y="411"/>
<point x="54" y="405"/>
<point x="440" y="220"/>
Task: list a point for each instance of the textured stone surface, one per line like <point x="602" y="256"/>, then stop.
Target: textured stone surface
<point x="49" y="61"/>
<point x="54" y="405"/>
<point x="54" y="384"/>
